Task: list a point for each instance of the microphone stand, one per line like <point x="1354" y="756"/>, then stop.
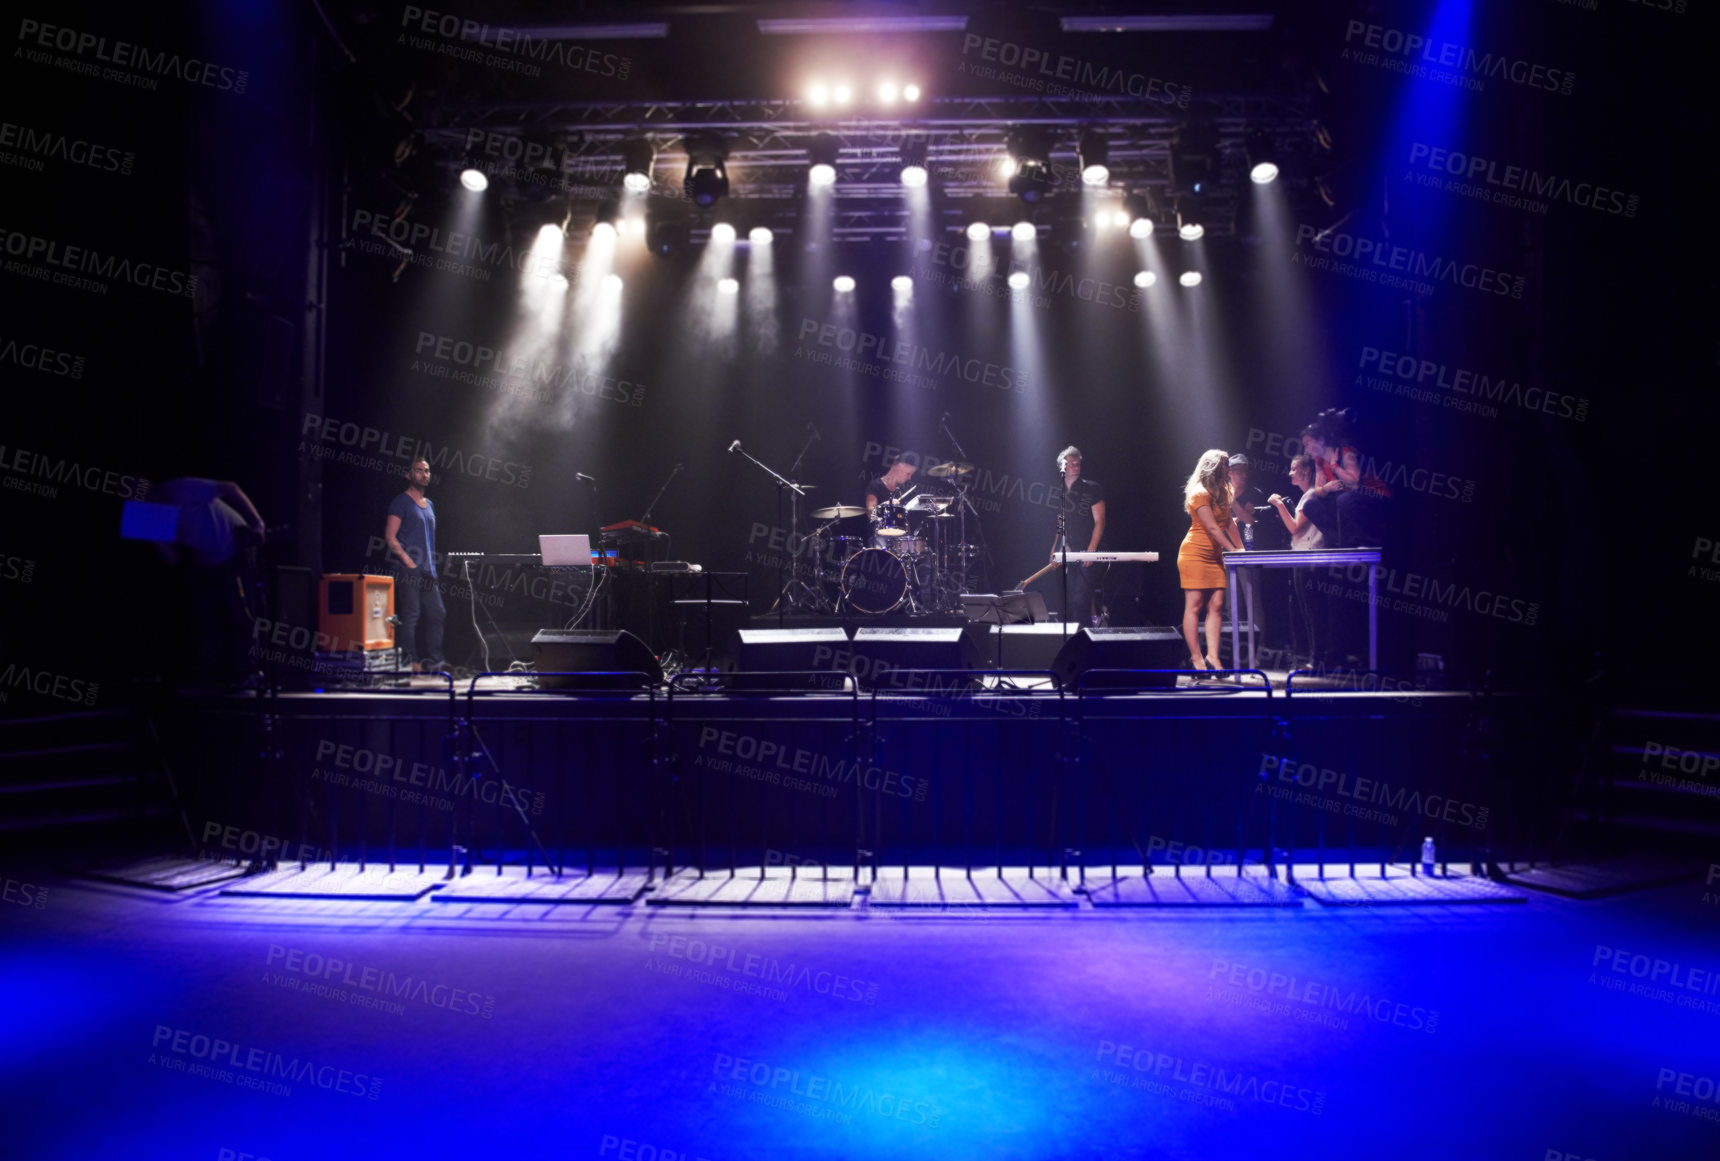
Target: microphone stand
<point x="799" y="494"/>
<point x="599" y="621"/>
<point x="646" y="519"/>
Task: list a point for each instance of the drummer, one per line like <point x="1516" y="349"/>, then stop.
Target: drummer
<point x="884" y="489"/>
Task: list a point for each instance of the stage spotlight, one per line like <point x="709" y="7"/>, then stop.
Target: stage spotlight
<point x="1024" y="232"/>
<point x="612" y="282"/>
<point x="559" y="281"/>
<point x="1141" y="228"/>
<point x="1032" y="180"/>
<point x="727" y="285"/>
<point x="1145" y="279"/>
<point x="910" y="92"/>
<point x="841" y="94"/>
<point x="474" y="180"/>
<point x="722" y="232"/>
<point x="887" y="92"/>
<point x="1019" y="280"/>
<point x="1189" y="278"/>
<point x="1262" y="157"/>
<point x="759" y="235"/>
<point x="636" y="159"/>
<point x="605" y="225"/>
<point x="707" y="179"/>
<point x="901" y="283"/>
<point x="818" y="94"/>
<point x="842" y="284"/>
<point x="634" y="225"/>
<point x="1094" y="153"/>
<point x="664" y="237"/>
<point x="1189" y="231"/>
<point x="913" y="172"/>
<point x="1006" y="167"/>
<point x="822" y="154"/>
<point x="978" y="232"/>
<point x="1194" y="159"/>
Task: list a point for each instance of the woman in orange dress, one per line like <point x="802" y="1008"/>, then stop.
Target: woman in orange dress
<point x="1206" y="499"/>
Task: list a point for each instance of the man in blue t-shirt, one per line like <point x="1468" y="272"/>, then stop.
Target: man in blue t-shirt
<point x="411" y="537"/>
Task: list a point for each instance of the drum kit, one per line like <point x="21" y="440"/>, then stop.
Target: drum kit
<point x="911" y="556"/>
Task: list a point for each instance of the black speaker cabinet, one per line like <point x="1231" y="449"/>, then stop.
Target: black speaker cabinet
<point x="1092" y="649"/>
<point x="881" y="656"/>
<point x="593" y="651"/>
<point x="791" y="650"/>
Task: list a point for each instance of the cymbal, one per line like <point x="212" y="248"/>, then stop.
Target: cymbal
<point x="838" y="512"/>
<point x="948" y="470"/>
<point x="927" y="503"/>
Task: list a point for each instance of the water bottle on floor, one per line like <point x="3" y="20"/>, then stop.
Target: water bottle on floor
<point x="1427" y="856"/>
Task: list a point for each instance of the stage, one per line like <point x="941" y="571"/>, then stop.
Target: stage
<point x="964" y="770"/>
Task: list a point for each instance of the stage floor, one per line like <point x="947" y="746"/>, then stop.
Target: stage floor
<point x="418" y="1028"/>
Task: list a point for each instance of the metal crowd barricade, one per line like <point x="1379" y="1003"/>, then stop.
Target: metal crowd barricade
<point x="1102" y="683"/>
<point x="960" y="678"/>
<point x="472" y="756"/>
<point x="763" y="683"/>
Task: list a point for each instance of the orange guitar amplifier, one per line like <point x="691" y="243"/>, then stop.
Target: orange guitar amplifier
<point x="354" y="613"/>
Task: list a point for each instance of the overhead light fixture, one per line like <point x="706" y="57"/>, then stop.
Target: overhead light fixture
<point x="759" y="235"/>
<point x="1194" y="159"/>
<point x="1213" y="22"/>
<point x="474" y="180"/>
<point x="1190" y="231"/>
<point x="818" y="94"/>
<point x="1145" y="278"/>
<point x="1019" y="280"/>
<point x="822" y="154"/>
<point x="1262" y="157"/>
<point x="636" y="159"/>
<point x="1138" y="214"/>
<point x="887" y="92"/>
<point x="1095" y="154"/>
<point x="612" y="282"/>
<point x="1189" y="278"/>
<point x="1024" y="232"/>
<point x="604" y="227"/>
<point x="707" y="178"/>
<point x="727" y="285"/>
<point x="978" y="232"/>
<point x="901" y="283"/>
<point x="849" y="25"/>
<point x="1141" y="228"/>
<point x="841" y="94"/>
<point x="723" y="233"/>
<point x="914" y="172"/>
<point x="842" y="284"/>
<point x="1031" y="180"/>
<point x="665" y="237"/>
<point x="910" y="93"/>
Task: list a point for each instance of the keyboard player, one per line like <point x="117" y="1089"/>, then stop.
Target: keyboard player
<point x="1082" y="506"/>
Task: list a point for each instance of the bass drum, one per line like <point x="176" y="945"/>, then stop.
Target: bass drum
<point x="874" y="581"/>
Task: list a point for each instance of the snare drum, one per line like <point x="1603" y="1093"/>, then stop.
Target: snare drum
<point x="874" y="581"/>
<point x="911" y="545"/>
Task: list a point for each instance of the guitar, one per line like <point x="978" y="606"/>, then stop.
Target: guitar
<point x="1037" y="575"/>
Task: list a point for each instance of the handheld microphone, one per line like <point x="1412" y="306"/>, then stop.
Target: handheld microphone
<point x="734" y="447"/>
<point x="583" y="476"/>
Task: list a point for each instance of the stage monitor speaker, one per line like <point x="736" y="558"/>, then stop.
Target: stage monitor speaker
<point x="765" y="651"/>
<point x="879" y="654"/>
<point x="592" y="651"/>
<point x="1092" y="649"/>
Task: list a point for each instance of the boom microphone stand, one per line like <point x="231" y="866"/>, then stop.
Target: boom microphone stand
<point x="781" y="485"/>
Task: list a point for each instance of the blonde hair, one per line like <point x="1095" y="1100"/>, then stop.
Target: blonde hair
<point x="1205" y="478"/>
